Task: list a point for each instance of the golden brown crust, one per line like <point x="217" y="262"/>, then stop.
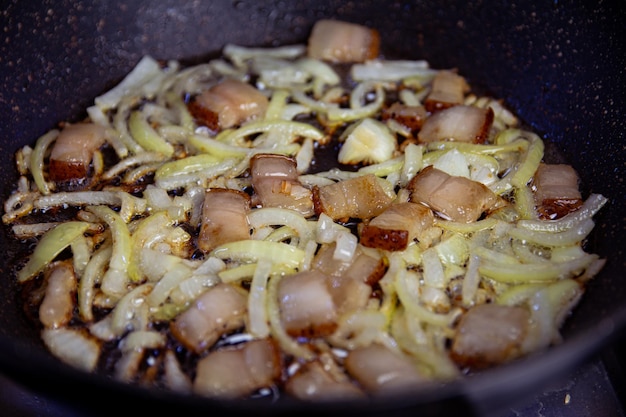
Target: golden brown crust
<point x="387" y="239"/>
<point x="204" y="116"/>
<point x="555" y="208"/>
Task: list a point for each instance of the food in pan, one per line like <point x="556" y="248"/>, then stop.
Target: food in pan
<point x="307" y="220"/>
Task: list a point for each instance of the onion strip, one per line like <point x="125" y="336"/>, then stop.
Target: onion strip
<point x="51" y="244"/>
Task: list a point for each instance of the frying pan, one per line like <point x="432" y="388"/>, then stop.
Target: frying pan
<point x="560" y="65"/>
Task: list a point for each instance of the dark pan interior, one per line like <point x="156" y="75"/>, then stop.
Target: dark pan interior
<point x="561" y="66"/>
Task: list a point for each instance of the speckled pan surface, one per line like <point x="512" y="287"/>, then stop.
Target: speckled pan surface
<point x="561" y="66"/>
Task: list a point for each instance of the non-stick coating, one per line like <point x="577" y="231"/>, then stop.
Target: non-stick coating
<point x="559" y="65"/>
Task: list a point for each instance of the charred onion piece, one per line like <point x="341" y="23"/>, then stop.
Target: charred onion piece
<point x="57" y="306"/>
<point x="73" y="151"/>
<point x="556" y="190"/>
<point x="337" y="41"/>
<point x="459" y="123"/>
<point x="380" y="370"/>
<point x="228" y="104"/>
<point x="361" y="197"/>
<point x="448" y="90"/>
<point x="220" y="310"/>
<point x="224" y="218"/>
<point x="238" y="371"/>
<point x="457" y="198"/>
<point x="275" y="182"/>
<point x="489" y="334"/>
<point x="397" y="226"/>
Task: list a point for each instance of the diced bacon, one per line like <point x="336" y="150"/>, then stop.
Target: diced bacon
<point x="218" y="311"/>
<point x="361" y="197"/>
<point x="313" y="383"/>
<point x="381" y="371"/>
<point x="349" y="283"/>
<point x="397" y="226"/>
<point x="458" y="123"/>
<point x="224" y="218"/>
<point x="336" y="41"/>
<point x="325" y="262"/>
<point x="74" y="347"/>
<point x="556" y="190"/>
<point x="275" y="182"/>
<point x="457" y="198"/>
<point x="412" y="117"/>
<point x="489" y="334"/>
<point x="239" y="371"/>
<point x="228" y="104"/>
<point x="306" y="305"/>
<point x="366" y="268"/>
<point x="73" y="151"/>
<point x="349" y="294"/>
<point x="448" y="89"/>
<point x="57" y="306"/>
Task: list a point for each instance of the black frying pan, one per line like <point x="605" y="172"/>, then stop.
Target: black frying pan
<point x="560" y="65"/>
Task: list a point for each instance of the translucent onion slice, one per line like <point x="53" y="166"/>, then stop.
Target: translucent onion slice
<point x="252" y="251"/>
<point x="51" y="244"/>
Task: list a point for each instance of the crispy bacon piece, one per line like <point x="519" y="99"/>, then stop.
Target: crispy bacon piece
<point x="489" y="334"/>
<point x="457" y="198"/>
<point x="349" y="283"/>
<point x="227" y="104"/>
<point x="312" y="301"/>
<point x="306" y="304"/>
<point x="73" y="151"/>
<point x="238" y="371"/>
<point x="556" y="190"/>
<point x="275" y="182"/>
<point x="336" y="41"/>
<point x="57" y="306"/>
<point x="224" y="218"/>
<point x="361" y="197"/>
<point x="459" y="123"/>
<point x="219" y="310"/>
<point x="380" y="370"/>
<point x="363" y="267"/>
<point x="448" y="89"/>
<point x="312" y="382"/>
<point x="397" y="226"/>
<point x="412" y="117"/>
